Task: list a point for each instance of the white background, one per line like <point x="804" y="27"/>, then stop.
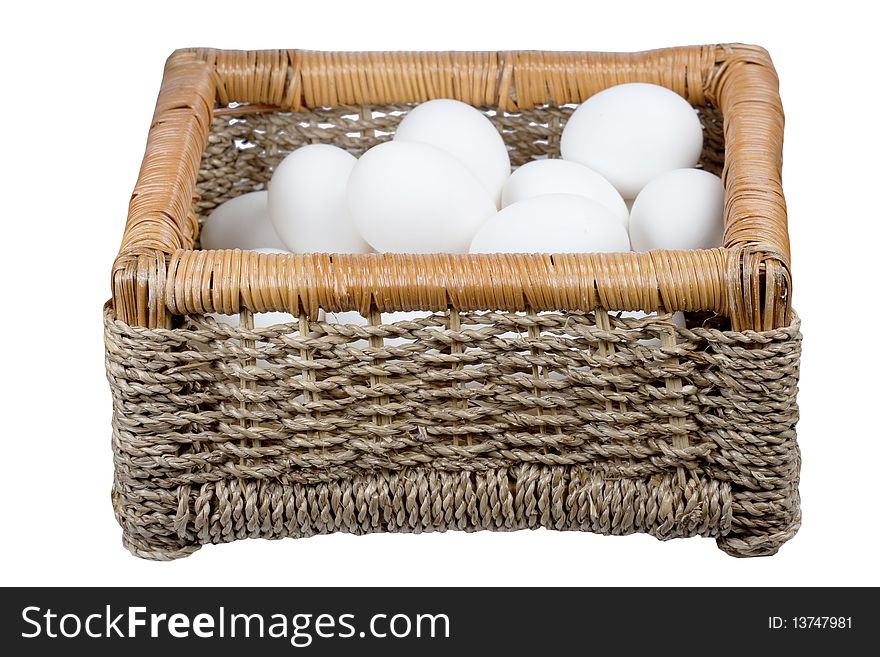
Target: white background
<point x="79" y="85"/>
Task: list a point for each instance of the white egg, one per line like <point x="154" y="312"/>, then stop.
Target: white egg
<point x="279" y="251"/>
<point x="463" y="132"/>
<point x="347" y="317"/>
<point x="540" y="177"/>
<point x="307" y="201"/>
<point x="240" y="223"/>
<point x="676" y="318"/>
<point x="407" y="197"/>
<point x="632" y="133"/>
<point x="553" y="223"/>
<point x="681" y="209"/>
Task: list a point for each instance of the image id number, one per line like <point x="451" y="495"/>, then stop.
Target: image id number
<point x="810" y="623"/>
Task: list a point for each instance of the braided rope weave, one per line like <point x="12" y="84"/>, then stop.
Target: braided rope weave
<point x="509" y="421"/>
<point x="518" y="398"/>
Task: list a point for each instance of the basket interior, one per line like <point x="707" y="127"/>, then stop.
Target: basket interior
<point x="245" y="148"/>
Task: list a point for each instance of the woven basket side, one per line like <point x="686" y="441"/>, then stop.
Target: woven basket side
<point x="453" y="421"/>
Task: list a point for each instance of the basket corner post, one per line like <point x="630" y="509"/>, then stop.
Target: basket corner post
<point x="138" y="303"/>
<point x="760" y="289"/>
<point x="766" y="500"/>
<point x="138" y="290"/>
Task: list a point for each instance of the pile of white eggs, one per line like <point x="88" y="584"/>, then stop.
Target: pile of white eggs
<point x="443" y="184"/>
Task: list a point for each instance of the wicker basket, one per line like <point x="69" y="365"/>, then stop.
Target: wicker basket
<point x="521" y="399"/>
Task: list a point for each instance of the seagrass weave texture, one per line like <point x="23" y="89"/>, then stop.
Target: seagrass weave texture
<point x="516" y="395"/>
<point x="508" y="421"/>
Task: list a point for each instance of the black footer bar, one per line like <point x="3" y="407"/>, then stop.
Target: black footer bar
<point x="318" y="621"/>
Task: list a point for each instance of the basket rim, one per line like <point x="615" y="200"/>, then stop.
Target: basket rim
<point x="748" y="279"/>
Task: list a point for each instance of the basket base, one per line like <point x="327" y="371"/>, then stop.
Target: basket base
<point x="416" y="500"/>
